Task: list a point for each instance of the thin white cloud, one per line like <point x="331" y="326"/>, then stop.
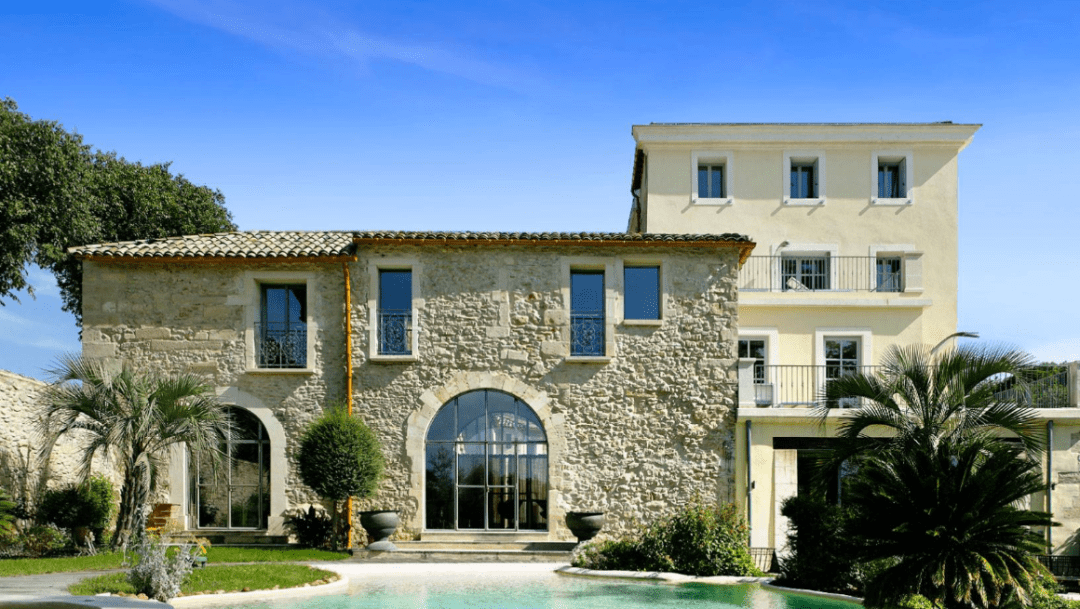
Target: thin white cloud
<point x="334" y="39"/>
<point x="1065" y="350"/>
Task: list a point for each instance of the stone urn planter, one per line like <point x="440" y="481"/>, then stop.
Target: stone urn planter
<point x="381" y="524"/>
<point x="584" y="525"/>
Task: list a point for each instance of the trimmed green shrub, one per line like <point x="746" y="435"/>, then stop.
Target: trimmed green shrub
<point x="700" y="539"/>
<point x="820" y="556"/>
<point x="340" y="457"/>
<point x="44" y="540"/>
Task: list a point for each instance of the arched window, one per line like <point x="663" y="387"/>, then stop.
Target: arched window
<point x="487" y="465"/>
<point x="235" y="492"/>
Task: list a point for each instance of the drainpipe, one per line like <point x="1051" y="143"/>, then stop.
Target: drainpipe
<point x="1049" y="482"/>
<point x="348" y="376"/>
<point x="749" y="486"/>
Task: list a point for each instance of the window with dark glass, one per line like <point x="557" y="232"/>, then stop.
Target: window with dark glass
<point x="754" y="348"/>
<point x="711" y="182"/>
<point x="641" y="285"/>
<point x="282" y="332"/>
<point x="395" y="312"/>
<point x="232" y="480"/>
<point x="586" y="313"/>
<point x="889" y="274"/>
<point x="804" y="180"/>
<point x="486" y="465"/>
<point x="841" y="357"/>
<point x="891" y="180"/>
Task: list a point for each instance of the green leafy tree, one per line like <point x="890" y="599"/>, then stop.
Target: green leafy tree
<point x="131" y="417"/>
<point x="943" y="455"/>
<point x="57" y="192"/>
<point x="340" y="457"/>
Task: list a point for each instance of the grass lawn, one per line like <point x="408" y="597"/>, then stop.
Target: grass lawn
<point x="230" y="578"/>
<point x="103" y="561"/>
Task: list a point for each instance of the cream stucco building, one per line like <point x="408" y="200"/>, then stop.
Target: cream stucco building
<point x="857" y="233"/>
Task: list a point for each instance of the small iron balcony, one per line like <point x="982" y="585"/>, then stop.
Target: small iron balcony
<point x="395" y="332"/>
<point x="281" y="345"/>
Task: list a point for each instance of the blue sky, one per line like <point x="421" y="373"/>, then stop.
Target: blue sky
<point x="517" y="116"/>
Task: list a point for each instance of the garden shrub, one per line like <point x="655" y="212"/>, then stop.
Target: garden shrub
<point x="311" y="527"/>
<point x="155" y="572"/>
<point x="7" y="517"/>
<point x="89" y="504"/>
<point x="820" y="556"/>
<point x="44" y="540"/>
<point x="913" y="601"/>
<point x="700" y="540"/>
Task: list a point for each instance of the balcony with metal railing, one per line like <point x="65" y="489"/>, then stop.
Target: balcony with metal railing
<point x="798" y="386"/>
<point x="395" y="332"/>
<point x="822" y="273"/>
<point x="281" y="345"/>
<point x="587" y="334"/>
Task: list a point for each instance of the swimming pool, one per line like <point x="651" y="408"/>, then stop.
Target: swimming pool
<point x="529" y="587"/>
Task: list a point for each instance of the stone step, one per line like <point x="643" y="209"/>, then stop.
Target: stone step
<point x="499" y="546"/>
<point x="438" y="556"/>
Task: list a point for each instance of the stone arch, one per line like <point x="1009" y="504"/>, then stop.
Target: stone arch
<point x="434" y="399"/>
<point x="179" y="475"/>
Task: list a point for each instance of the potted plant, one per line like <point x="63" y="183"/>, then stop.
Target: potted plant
<point x="380" y="524"/>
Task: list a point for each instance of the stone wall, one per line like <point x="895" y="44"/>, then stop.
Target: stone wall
<point x="634" y="434"/>
<point x="21" y="445"/>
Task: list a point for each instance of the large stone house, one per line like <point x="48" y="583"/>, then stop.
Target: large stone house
<point x="511" y="377"/>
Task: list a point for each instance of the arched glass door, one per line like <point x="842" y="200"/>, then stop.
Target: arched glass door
<point x="235" y="492"/>
<point x="487" y="465"/>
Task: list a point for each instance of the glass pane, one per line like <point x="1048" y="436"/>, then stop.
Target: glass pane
<point x="471" y="464"/>
<point x="244" y="466"/>
<point x="440" y="486"/>
<point x="395" y="290"/>
<point x="502" y="416"/>
<point x="850" y="350"/>
<point x="532" y="492"/>
<point x="213" y="504"/>
<point x="717" y="189"/>
<point x="703" y="181"/>
<point x="502" y="465"/>
<point x="535" y="429"/>
<point x="832" y="349"/>
<point x="587" y="291"/>
<point x="442" y="428"/>
<point x="245" y="507"/>
<point x="471" y="508"/>
<point x="245" y="425"/>
<point x="472" y="418"/>
<point x="501" y="508"/>
<point x="642" y="292"/>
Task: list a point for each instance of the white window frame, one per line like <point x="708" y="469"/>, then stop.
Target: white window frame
<point x="831" y="250"/>
<point x="911" y="270"/>
<point x="817" y="158"/>
<point x="253" y="293"/>
<point x="711" y="157"/>
<point x="904" y="157"/>
<point x="611" y="304"/>
<point x="393" y="264"/>
<point x="620" y="290"/>
<point x="771" y="336"/>
<point x="866" y="349"/>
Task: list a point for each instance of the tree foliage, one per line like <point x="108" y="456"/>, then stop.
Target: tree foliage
<point x="938" y="492"/>
<point x="57" y="192"/>
<point x="131" y="417"/>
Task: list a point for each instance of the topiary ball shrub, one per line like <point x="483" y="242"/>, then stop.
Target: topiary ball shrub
<point x="340" y="456"/>
<point x="89" y="504"/>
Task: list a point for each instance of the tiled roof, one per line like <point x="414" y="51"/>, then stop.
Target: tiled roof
<point x="320" y="244"/>
<point x="248" y="244"/>
<point x="562" y="237"/>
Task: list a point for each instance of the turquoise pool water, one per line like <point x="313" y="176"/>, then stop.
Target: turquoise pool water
<point x="532" y="590"/>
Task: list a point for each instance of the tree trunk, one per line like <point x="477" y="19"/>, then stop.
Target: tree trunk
<point x="335" y="521"/>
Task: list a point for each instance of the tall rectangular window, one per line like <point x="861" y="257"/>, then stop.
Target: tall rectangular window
<point x="587" y="313"/>
<point x="804" y="180"/>
<point x="281" y="333"/>
<point x="891" y="180"/>
<point x="754" y="348"/>
<point x="642" y="292"/>
<point x="889" y="274"/>
<point x="395" y="312"/>
<point x="711" y="182"/>
<point x="841" y="357"/>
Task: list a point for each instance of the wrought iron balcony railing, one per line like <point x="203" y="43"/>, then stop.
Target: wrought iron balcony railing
<point x="281" y="345"/>
<point x="801" y="386"/>
<point x="809" y="273"/>
<point x="395" y="332"/>
<point x="587" y="334"/>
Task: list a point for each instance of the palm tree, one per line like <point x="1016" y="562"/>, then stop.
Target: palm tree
<point x="130" y="417"/>
<point x="944" y="457"/>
